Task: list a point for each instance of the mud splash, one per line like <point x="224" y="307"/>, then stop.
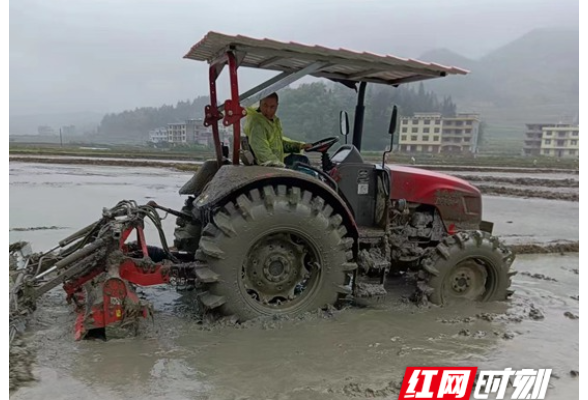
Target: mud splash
<point x="21" y="354"/>
<point x="12" y="247"/>
<point x="539" y="276"/>
<point x="521" y="310"/>
<point x="20" y="363"/>
<point x="359" y="390"/>
<point x="212" y="322"/>
<point x="185" y="305"/>
<point x="571" y="315"/>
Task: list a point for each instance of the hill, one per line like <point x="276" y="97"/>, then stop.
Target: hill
<point x="532" y="79"/>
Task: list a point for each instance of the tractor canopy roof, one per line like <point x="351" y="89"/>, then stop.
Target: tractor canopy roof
<point x="340" y="65"/>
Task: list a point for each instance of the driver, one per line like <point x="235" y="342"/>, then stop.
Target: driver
<point x="264" y="132"/>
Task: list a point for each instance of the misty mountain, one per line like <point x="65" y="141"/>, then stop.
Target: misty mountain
<point x="532" y="79"/>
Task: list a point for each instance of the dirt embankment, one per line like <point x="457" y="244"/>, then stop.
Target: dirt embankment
<point x="549" y="183"/>
<point x="525" y="187"/>
<point x="516" y="170"/>
<point x="542" y="194"/>
<point x="102" y="161"/>
<point x="37" y="228"/>
<point x="567" y="247"/>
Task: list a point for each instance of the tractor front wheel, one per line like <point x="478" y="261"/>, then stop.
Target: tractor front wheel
<point x="468" y="266"/>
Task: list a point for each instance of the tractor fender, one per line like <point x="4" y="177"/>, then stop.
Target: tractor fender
<point x="232" y="180"/>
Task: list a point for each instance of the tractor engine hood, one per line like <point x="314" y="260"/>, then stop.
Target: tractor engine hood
<point x="427" y="187"/>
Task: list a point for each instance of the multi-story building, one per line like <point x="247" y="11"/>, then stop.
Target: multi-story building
<point x="534" y="136"/>
<point x="560" y="141"/>
<point x="433" y="133"/>
<point x="554" y="140"/>
<point x="460" y="134"/>
<point x="198" y="133"/>
<point x="176" y="132"/>
<point x="421" y="133"/>
<point x="191" y="131"/>
<point x="158" y="135"/>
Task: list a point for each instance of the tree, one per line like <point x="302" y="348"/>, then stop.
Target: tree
<point x="308" y="112"/>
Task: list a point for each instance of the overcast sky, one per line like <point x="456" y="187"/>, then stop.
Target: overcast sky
<point x="111" y="55"/>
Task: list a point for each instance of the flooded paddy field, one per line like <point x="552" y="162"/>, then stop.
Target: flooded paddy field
<point x="353" y="353"/>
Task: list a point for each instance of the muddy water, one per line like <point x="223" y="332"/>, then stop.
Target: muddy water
<point x="356" y="353"/>
<point x="353" y="354"/>
<point x="519" y="220"/>
<point x="70" y="197"/>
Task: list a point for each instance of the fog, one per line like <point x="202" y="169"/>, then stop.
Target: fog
<point x="107" y="56"/>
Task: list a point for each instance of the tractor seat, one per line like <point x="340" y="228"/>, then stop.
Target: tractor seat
<point x="246" y="154"/>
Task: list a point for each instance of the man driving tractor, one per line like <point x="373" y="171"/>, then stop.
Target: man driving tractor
<point x="264" y="132"/>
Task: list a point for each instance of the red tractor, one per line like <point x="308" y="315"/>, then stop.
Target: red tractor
<point x="283" y="241"/>
<point x="259" y="240"/>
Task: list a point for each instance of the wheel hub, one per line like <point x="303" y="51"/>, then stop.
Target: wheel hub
<point x="467" y="280"/>
<point x="275" y="269"/>
<point x="461" y="282"/>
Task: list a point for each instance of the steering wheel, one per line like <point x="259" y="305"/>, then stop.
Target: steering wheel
<point x="323" y="145"/>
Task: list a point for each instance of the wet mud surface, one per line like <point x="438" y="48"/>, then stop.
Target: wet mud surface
<point x="354" y="353"/>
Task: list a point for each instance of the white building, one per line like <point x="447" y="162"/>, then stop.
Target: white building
<point x="158" y="135"/>
<point x="191" y="131"/>
<point x="433" y="133"/>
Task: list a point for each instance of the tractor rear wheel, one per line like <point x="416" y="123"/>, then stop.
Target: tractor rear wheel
<point x="276" y="250"/>
<point x="468" y="266"/>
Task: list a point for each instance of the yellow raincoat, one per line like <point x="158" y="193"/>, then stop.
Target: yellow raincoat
<point x="266" y="139"/>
